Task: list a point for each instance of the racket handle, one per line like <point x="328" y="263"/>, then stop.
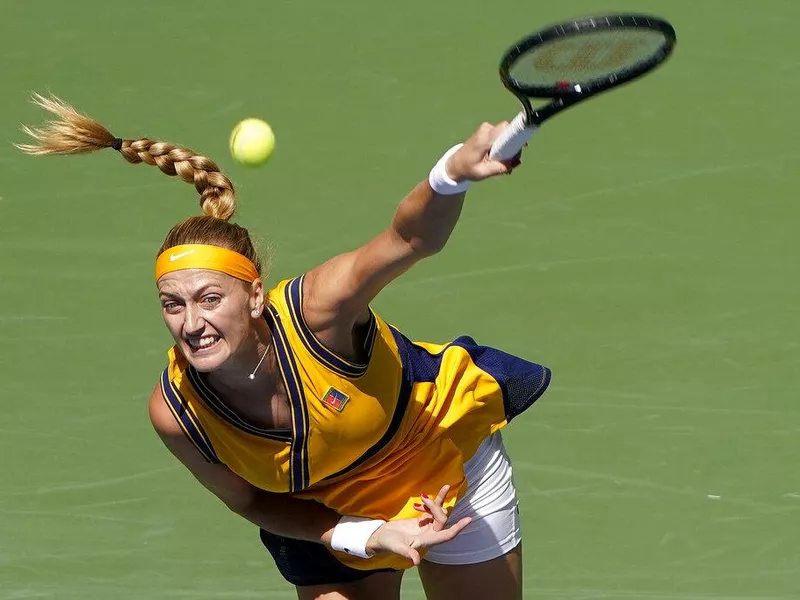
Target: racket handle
<point x="512" y="140"/>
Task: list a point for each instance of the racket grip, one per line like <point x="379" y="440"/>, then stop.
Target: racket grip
<point x="512" y="140"/>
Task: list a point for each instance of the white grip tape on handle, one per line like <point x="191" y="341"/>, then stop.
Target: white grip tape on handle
<point x="512" y="140"/>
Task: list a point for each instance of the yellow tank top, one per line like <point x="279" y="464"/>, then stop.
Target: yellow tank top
<point x="366" y="439"/>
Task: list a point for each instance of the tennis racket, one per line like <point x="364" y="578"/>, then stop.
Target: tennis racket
<point x="574" y="61"/>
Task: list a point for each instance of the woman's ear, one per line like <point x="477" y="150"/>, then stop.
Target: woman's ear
<point x="256" y="298"/>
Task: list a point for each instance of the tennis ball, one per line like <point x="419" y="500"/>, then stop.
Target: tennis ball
<point x="252" y="142"/>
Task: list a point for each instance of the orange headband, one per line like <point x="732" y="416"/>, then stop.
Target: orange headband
<point x="203" y="256"/>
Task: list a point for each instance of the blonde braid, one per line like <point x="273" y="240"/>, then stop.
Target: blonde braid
<point x="73" y="133"/>
<point x="217" y="196"/>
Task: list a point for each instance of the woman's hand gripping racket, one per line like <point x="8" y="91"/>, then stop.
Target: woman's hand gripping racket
<point x="574" y="61"/>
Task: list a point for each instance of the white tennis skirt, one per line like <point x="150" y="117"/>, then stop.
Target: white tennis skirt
<point x="491" y="501"/>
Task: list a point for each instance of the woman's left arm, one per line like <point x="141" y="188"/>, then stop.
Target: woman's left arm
<point x="338" y="292"/>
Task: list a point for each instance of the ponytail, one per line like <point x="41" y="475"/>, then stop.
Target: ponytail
<point x="74" y="133"/>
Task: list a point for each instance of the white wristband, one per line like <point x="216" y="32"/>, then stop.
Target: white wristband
<point x="351" y="535"/>
<point x="440" y="182"/>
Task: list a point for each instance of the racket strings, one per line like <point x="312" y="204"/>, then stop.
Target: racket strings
<point x="586" y="57"/>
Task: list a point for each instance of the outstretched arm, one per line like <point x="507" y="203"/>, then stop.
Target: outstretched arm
<point x="338" y="292"/>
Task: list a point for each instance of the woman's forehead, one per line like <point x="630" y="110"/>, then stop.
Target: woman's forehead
<point x="193" y="280"/>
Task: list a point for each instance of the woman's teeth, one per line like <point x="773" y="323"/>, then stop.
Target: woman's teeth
<point x="204" y="342"/>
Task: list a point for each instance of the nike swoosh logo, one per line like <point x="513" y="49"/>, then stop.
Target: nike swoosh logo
<point x="174" y="257"/>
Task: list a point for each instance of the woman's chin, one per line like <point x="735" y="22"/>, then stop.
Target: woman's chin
<point x="206" y="359"/>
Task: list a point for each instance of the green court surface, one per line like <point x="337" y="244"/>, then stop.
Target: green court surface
<point x="647" y="252"/>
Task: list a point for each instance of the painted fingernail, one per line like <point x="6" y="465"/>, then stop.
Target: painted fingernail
<point x="425" y="496"/>
<point x="418" y="506"/>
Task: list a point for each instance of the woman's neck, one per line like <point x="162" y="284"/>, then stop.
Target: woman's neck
<point x="251" y="370"/>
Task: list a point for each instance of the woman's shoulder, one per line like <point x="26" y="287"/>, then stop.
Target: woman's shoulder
<point x="278" y="296"/>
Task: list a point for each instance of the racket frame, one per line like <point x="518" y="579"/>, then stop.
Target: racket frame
<point x="527" y="122"/>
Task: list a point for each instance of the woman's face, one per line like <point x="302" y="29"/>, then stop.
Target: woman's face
<point x="209" y="314"/>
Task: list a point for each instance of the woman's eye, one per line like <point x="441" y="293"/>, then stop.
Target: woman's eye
<point x="171" y="307"/>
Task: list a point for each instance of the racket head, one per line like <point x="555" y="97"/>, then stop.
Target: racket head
<point x="586" y="56"/>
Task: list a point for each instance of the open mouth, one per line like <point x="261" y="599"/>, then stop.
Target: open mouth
<point x="203" y="344"/>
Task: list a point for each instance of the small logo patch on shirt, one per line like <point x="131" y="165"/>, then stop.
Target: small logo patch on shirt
<point x="335" y="399"/>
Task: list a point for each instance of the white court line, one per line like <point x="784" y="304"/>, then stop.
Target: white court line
<point x="570" y="593"/>
<point x="41" y="434"/>
<point x="61" y="514"/>
<point x="60" y="195"/>
<point x="540" y="266"/>
<point x="15" y="318"/>
<point x="109" y="503"/>
<point x="680" y="176"/>
<point x="652" y="407"/>
<point x="648" y="182"/>
<point x="69" y="487"/>
<point x="224" y="110"/>
<point x="646" y="484"/>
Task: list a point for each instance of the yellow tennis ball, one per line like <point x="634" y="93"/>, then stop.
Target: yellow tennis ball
<point x="252" y="142"/>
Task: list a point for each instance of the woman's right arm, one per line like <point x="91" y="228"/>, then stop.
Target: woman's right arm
<point x="277" y="513"/>
<point x="284" y="515"/>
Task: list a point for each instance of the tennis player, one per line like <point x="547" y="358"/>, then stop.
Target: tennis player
<point x="305" y="412"/>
